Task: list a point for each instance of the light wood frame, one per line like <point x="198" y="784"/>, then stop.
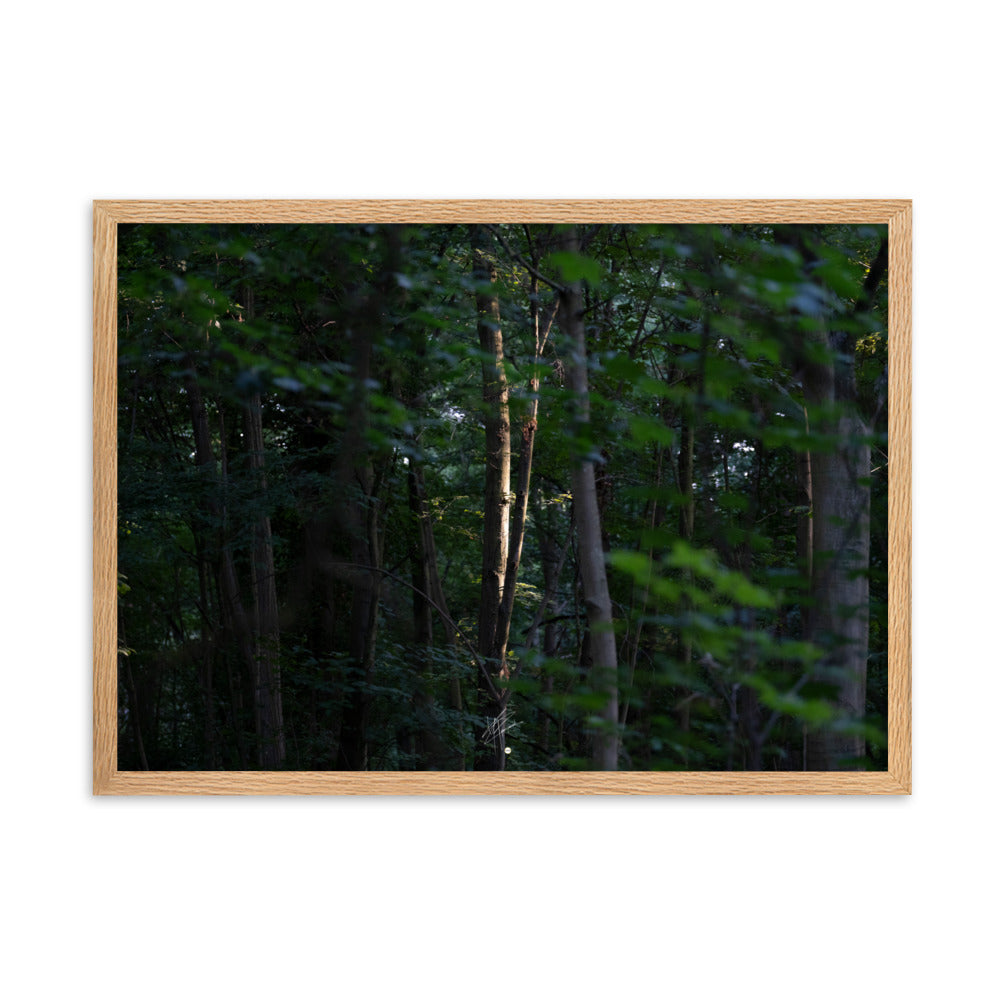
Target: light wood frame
<point x="108" y="780"/>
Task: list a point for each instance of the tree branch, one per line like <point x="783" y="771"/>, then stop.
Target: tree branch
<point x="530" y="268"/>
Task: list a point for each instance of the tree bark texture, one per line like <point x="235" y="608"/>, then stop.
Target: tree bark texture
<point x="838" y="475"/>
<point x="593" y="572"/>
<point x="528" y="425"/>
<point x="838" y="619"/>
<point x="496" y="494"/>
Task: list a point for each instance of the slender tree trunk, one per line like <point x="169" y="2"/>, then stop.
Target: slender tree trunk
<point x="359" y="520"/>
<point x="496" y="495"/>
<point x="210" y="755"/>
<point x="353" y="751"/>
<point x="528" y="425"/>
<point x="267" y="675"/>
<point x="804" y="553"/>
<point x="593" y="573"/>
<point x="804" y="527"/>
<point x="234" y="616"/>
<point x="685" y="473"/>
<point x="420" y="739"/>
<point x="551" y="568"/>
<point x="685" y="485"/>
<point x="638" y="613"/>
<point x="268" y="711"/>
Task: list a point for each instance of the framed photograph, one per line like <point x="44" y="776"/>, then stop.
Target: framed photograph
<point x="502" y="497"/>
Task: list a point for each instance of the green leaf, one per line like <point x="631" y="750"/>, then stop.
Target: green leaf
<point x="572" y="266"/>
<point x="635" y="564"/>
<point x="644" y="429"/>
<point x="621" y="366"/>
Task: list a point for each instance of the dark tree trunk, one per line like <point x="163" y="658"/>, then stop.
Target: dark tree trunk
<point x="840" y="471"/>
<point x="359" y="521"/>
<point x="267" y="674"/>
<point x="360" y="505"/>
<point x="838" y="619"/>
<point x="235" y="622"/>
<point x="268" y="712"/>
<point x="430" y="748"/>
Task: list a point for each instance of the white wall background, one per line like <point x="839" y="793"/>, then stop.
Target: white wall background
<point x="452" y="898"/>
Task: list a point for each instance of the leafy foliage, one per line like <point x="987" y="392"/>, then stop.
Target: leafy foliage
<point x="357" y="348"/>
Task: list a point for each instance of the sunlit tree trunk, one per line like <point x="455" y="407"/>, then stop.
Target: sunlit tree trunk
<point x="593" y="573"/>
<point x="496" y="494"/>
<point x="527" y="425"/>
<point x="504" y="527"/>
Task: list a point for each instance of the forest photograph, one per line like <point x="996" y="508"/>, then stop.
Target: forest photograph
<point x="502" y="497"/>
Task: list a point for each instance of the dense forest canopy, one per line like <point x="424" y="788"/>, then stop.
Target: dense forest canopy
<point x="531" y="497"/>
